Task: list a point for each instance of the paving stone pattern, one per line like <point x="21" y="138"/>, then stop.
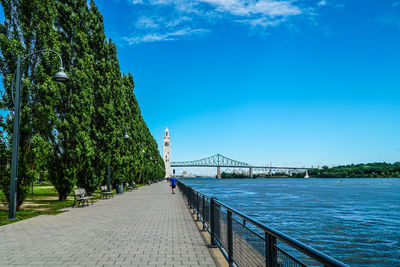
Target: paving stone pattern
<point x="144" y="227"/>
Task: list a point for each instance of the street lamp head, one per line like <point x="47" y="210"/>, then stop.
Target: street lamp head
<point x="61" y="76"/>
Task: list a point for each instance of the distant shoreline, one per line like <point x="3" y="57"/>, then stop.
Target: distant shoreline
<point x="279" y="177"/>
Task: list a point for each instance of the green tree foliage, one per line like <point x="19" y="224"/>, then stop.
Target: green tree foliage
<point x="24" y="31"/>
<point x="233" y="175"/>
<point x="5" y="156"/>
<point x="370" y="170"/>
<point x="101" y="124"/>
<point x="71" y="132"/>
<point x="73" y="149"/>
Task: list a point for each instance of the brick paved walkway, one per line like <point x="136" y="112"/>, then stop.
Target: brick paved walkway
<point x="144" y="227"/>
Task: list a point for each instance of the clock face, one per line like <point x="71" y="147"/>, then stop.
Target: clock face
<point x="166" y="144"/>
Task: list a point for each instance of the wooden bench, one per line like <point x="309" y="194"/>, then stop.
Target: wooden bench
<point x="105" y="193"/>
<point x="80" y="196"/>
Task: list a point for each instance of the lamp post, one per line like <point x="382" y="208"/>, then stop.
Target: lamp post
<point x="156" y="163"/>
<point x="151" y="160"/>
<point x="126" y="136"/>
<point x="143" y="151"/>
<point x="159" y="166"/>
<point x="60" y="76"/>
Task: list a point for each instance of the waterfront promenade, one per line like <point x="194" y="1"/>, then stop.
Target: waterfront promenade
<point x="145" y="227"/>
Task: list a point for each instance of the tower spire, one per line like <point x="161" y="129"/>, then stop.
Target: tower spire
<point x="167" y="153"/>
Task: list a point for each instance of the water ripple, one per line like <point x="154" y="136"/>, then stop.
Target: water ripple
<point x="353" y="220"/>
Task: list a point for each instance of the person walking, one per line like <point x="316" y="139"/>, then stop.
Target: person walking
<point x="173" y="184"/>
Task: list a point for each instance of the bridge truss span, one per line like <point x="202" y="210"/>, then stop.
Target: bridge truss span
<point x="219" y="161"/>
<point x="213" y="161"/>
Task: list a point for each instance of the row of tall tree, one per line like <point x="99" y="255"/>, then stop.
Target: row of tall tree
<point x="370" y="170"/>
<point x="225" y="175"/>
<point x="70" y="132"/>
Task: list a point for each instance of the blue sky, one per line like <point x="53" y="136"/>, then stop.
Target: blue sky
<point x="295" y="83"/>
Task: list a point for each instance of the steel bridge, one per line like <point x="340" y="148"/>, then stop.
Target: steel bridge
<point x="219" y="161"/>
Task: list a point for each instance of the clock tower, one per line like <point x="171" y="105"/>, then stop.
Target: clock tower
<point x="167" y="153"/>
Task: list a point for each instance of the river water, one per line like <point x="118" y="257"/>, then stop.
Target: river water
<point x="356" y="221"/>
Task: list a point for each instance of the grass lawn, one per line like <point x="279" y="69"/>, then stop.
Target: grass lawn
<point x="43" y="201"/>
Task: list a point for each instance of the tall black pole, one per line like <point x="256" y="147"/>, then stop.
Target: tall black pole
<point x="60" y="76"/>
<point x="109" y="177"/>
<point x="143" y="173"/>
<point x="12" y="205"/>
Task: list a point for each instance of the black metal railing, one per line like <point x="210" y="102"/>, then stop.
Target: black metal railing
<point x="246" y="242"/>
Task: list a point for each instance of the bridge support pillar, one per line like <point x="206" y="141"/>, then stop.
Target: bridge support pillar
<point x="218" y="172"/>
<point x="251" y="173"/>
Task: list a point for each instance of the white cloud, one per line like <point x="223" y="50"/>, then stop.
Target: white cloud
<point x="171" y="19"/>
<point x="170" y="36"/>
<point x="392" y="17"/>
<point x="177" y="21"/>
<point x="234" y="7"/>
<point x="389" y="19"/>
<point x="146" y="23"/>
<point x="271" y="8"/>
<point x="263" y="22"/>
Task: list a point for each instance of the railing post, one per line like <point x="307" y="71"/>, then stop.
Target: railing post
<point x="190" y="198"/>
<point x="230" y="239"/>
<point x="198" y="206"/>
<point x="187" y="193"/>
<point x="212" y="222"/>
<point x="215" y="226"/>
<point x="204" y="213"/>
<point x="193" y="203"/>
<point x="270" y="251"/>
